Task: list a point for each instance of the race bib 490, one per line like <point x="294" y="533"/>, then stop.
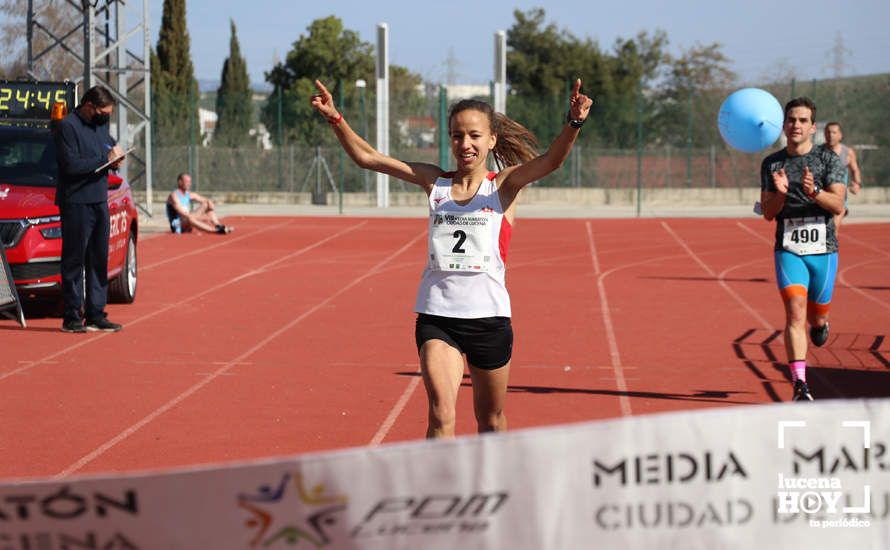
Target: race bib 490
<point x="461" y="242"/>
<point x="805" y="236"/>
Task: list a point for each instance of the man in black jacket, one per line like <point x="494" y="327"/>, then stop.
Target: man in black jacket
<point x="83" y="146"/>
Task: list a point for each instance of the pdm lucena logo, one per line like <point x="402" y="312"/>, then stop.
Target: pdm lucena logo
<point x="271" y="512"/>
<point x="291" y="510"/>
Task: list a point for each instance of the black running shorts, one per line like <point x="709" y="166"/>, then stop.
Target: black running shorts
<point x="487" y="342"/>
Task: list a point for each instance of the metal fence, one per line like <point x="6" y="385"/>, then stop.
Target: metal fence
<point x="641" y="141"/>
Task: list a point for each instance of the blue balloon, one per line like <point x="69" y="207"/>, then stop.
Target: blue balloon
<point x="750" y="120"/>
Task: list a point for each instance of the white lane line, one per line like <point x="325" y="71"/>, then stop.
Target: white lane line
<point x="756" y="234"/>
<point x="843" y="279"/>
<point x="396" y="411"/>
<point x="842" y="275"/>
<point x="593" y="254"/>
<point x="862" y="292"/>
<point x="168" y="307"/>
<point x="105" y="447"/>
<point x="754" y="313"/>
<point x="224" y="242"/>
<point x="868" y="245"/>
<point x="620" y="381"/>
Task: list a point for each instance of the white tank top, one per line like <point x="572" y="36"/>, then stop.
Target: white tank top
<point x="467" y="254"/>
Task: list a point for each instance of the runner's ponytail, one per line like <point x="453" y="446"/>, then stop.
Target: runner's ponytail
<point x="515" y="145"/>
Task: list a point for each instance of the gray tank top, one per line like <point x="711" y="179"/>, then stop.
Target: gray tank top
<point x="844" y="151"/>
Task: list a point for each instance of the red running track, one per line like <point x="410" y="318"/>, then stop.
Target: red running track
<point x="296" y="334"/>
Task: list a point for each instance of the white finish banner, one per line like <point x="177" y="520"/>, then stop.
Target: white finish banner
<point x="768" y="476"/>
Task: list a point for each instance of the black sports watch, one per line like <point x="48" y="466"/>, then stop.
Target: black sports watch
<point x="574" y="122"/>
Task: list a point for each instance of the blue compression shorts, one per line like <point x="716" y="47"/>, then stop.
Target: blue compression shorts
<point x="811" y="276"/>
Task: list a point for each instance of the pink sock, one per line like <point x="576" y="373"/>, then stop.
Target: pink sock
<point x="799" y="370"/>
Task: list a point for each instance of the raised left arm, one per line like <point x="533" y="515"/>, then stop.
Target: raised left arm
<point x="513" y="179"/>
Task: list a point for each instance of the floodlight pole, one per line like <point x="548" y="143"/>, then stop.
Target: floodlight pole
<point x="147" y="100"/>
<point x="361" y="85"/>
<point x="89" y="46"/>
<point x="500" y="72"/>
<point x="382" y="109"/>
<point x="123" y="127"/>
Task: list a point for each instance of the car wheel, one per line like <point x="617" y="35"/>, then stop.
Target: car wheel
<point x="123" y="288"/>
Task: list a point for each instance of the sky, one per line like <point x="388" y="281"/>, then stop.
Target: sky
<point x="762" y="41"/>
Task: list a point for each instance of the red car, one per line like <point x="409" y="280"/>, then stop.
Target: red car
<point x="30" y="228"/>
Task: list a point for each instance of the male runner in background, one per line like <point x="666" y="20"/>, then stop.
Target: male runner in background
<point x="834" y="134"/>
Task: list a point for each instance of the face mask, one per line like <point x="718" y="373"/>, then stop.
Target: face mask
<point x="100" y="119"/>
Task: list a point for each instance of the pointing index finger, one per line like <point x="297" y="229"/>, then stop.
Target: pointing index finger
<point x="576" y="90"/>
<point x="321" y="87"/>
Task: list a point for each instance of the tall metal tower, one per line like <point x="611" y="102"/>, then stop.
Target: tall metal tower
<point x="107" y="60"/>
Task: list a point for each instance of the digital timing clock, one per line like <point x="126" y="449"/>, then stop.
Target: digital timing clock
<point x="33" y="100"/>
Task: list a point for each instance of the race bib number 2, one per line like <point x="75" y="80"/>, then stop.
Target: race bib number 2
<point x="805" y="236"/>
<point x="461" y="242"/>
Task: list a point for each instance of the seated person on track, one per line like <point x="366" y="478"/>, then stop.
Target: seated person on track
<point x="181" y="216"/>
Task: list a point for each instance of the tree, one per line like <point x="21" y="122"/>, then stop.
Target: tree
<point x="698" y="80"/>
<point x="329" y="53"/>
<point x="13" y="70"/>
<point x="57" y="64"/>
<point x="537" y="57"/>
<point x="234" y="106"/>
<point x="173" y="85"/>
<point x="543" y="61"/>
<point x="633" y="66"/>
<point x="337" y="57"/>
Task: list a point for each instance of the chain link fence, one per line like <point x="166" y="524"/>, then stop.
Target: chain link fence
<point x="643" y="142"/>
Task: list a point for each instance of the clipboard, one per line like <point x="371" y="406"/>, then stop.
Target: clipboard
<point x="112" y="161"/>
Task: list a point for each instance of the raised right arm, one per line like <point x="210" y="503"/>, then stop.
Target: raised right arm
<point x="365" y="156"/>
